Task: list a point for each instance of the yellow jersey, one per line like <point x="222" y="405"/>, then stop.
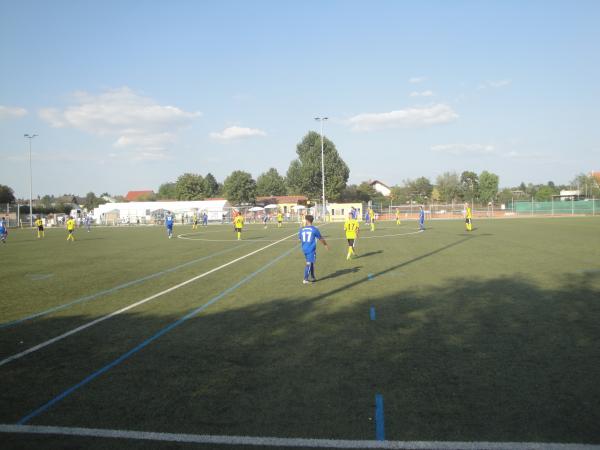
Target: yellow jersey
<point x="372" y="215"/>
<point x="351" y="227"/>
<point x="469" y="215"/>
<point x="70" y="224"/>
<point x="279" y="217"/>
<point x="39" y="223"/>
<point x="238" y="222"/>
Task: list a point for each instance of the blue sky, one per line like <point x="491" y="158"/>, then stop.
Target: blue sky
<point x="127" y="95"/>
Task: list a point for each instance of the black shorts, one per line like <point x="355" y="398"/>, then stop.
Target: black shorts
<point x="70" y="231"/>
<point x="351" y="242"/>
<point x="467" y="220"/>
<point x="238" y="230"/>
<point x="41" y="228"/>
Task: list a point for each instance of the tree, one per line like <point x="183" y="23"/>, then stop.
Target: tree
<point x="167" y="191"/>
<point x="91" y="201"/>
<point x="270" y="183"/>
<point x="488" y="186"/>
<point x="449" y="186"/>
<point x="304" y="173"/>
<point x="239" y="187"/>
<point x="545" y="193"/>
<point x="399" y="194"/>
<point x="189" y="186"/>
<point x="419" y="190"/>
<point x="506" y="196"/>
<point x="470" y="185"/>
<point x="211" y="187"/>
<point x="7" y="195"/>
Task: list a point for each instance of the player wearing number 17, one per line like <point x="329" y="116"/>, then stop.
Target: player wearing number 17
<point x="308" y="235"/>
<point x="351" y="228"/>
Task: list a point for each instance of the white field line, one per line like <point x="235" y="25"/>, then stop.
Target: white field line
<point x="133" y="305"/>
<point x="288" y="442"/>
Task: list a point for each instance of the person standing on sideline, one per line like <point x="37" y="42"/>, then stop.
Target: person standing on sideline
<point x="204" y="219"/>
<point x="39" y="223"/>
<point x="468" y="217"/>
<point x="279" y="219"/>
<point x="308" y="235"/>
<point x="88" y="222"/>
<point x="397" y="217"/>
<point x="169" y="224"/>
<point x="70" y="229"/>
<point x="421" y="218"/>
<point x="351" y="227"/>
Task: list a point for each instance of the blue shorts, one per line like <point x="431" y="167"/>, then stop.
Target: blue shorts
<point x="170" y="227"/>
<point x="310" y="257"/>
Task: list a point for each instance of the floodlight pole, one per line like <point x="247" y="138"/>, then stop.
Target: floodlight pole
<point x="30" y="137"/>
<point x="321" y="119"/>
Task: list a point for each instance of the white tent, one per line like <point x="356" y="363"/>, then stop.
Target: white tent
<point x="256" y="208"/>
<point x="271" y="206"/>
<point x="300" y="207"/>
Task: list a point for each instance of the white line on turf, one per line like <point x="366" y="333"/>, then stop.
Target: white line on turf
<point x="287" y="442"/>
<point x="133" y="305"/>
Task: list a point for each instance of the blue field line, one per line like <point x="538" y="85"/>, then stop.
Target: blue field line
<point x="116" y="288"/>
<point x="148" y="341"/>
<point x="372" y="313"/>
<point x="379" y="421"/>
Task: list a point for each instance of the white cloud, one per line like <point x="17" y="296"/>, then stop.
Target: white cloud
<point x="421" y="94"/>
<point x="409" y="117"/>
<point x="415" y="80"/>
<point x="464" y="149"/>
<point x="141" y="126"/>
<point x="235" y="132"/>
<point x="11" y="112"/>
<point x="494" y="84"/>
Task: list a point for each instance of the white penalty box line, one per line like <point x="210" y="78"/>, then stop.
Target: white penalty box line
<point x="285" y="442"/>
<point x="134" y="305"/>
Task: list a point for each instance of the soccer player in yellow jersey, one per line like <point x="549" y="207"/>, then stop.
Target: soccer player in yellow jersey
<point x="279" y="219"/>
<point x="195" y="221"/>
<point x="397" y="217"/>
<point x="372" y="217"/>
<point x="351" y="227"/>
<point x="70" y="229"/>
<point x="468" y="217"/>
<point x="238" y="224"/>
<point x="39" y="223"/>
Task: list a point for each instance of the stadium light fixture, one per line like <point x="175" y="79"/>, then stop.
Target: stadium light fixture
<point x="322" y="119"/>
<point x="30" y="137"/>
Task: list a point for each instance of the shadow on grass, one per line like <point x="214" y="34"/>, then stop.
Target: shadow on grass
<point x="472" y="359"/>
<point x="341" y="272"/>
<point x="366" y="255"/>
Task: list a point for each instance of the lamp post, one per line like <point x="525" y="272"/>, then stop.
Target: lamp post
<point x="30" y="137"/>
<point x="322" y="119"/>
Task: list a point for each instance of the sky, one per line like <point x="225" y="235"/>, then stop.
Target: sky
<point x="127" y="95"/>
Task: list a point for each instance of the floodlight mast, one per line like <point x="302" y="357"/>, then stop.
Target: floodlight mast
<point x="30" y="137"/>
<point x="322" y="119"/>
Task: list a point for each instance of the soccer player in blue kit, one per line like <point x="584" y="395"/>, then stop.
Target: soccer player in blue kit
<point x="169" y="224"/>
<point x="308" y="235"/>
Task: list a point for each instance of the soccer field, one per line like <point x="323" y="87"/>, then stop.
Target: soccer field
<point x="444" y="335"/>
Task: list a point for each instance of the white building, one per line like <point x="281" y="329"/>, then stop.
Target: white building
<point x="380" y="187"/>
<point x="570" y="195"/>
<point x="147" y="212"/>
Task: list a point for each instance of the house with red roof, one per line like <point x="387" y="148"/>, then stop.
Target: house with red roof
<point x="134" y="196"/>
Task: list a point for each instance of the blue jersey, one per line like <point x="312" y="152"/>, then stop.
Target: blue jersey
<point x="169" y="221"/>
<point x="421" y="216"/>
<point x="2" y="227"/>
<point x="308" y="238"/>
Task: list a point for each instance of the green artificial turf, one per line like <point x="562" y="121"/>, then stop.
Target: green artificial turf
<point x="492" y="335"/>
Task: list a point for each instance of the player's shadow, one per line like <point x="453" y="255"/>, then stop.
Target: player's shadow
<point x="366" y="255"/>
<point x="341" y="272"/>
